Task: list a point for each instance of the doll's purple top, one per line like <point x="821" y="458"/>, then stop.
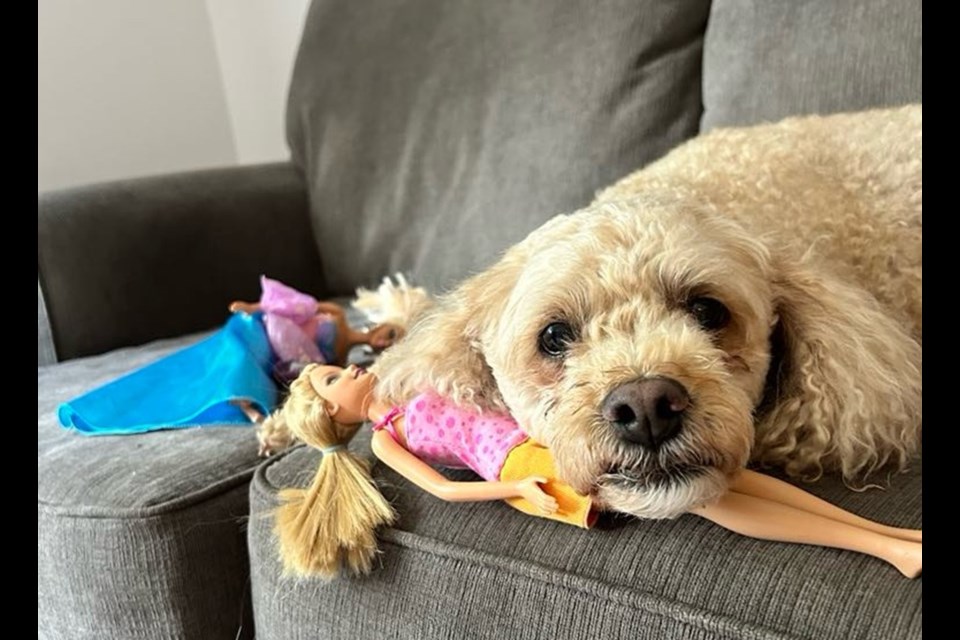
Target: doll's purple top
<point x="287" y="314"/>
<point x="442" y="433"/>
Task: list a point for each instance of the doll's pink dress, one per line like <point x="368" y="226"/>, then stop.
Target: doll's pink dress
<point x="439" y="432"/>
<point x="297" y="335"/>
<point x="492" y="446"/>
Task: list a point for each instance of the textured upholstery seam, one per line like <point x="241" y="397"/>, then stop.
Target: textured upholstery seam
<point x="163" y="508"/>
<point x="672" y="609"/>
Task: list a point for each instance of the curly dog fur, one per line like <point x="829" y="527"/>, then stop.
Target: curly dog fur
<point x="808" y="231"/>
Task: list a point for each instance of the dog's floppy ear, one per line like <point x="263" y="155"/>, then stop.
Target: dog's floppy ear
<point x="443" y="350"/>
<point x="845" y="389"/>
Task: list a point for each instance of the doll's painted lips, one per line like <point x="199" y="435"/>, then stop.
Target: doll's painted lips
<point x="354" y="372"/>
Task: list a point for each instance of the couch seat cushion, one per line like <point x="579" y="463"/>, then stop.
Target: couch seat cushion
<point x="483" y="570"/>
<point x="139" y="536"/>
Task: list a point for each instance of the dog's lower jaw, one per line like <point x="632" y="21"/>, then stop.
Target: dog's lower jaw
<point x="666" y="498"/>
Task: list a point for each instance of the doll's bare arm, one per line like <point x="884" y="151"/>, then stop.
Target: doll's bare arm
<point x="239" y="306"/>
<point x="769" y="520"/>
<point x="331" y="309"/>
<point x="761" y="485"/>
<point x="429" y="479"/>
<point x="379" y="337"/>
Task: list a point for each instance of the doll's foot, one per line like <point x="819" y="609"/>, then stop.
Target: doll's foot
<point x="907" y="557"/>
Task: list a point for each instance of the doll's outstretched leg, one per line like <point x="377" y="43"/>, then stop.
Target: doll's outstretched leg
<point x="768" y="520"/>
<point x="249" y="410"/>
<point x="767" y="487"/>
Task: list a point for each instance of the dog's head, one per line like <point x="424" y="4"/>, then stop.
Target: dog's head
<point x="633" y="339"/>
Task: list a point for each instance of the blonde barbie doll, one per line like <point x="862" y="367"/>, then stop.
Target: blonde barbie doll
<point x="331" y="524"/>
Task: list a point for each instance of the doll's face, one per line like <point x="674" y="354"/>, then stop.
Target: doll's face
<point x="348" y="392"/>
<point x="384" y="335"/>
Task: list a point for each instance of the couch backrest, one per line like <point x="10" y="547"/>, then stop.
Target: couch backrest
<point x="436" y="133"/>
<point x="767" y="60"/>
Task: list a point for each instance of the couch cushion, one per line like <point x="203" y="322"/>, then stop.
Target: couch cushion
<point x="485" y="571"/>
<point x="763" y="61"/>
<point x="435" y="134"/>
<point x="138" y="536"/>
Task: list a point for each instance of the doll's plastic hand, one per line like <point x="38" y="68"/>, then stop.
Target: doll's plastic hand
<point x="530" y="489"/>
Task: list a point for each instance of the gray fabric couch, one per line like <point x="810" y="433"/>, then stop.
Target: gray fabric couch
<point x="426" y="137"/>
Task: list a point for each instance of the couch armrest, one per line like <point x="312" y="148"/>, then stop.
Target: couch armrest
<point x="126" y="262"/>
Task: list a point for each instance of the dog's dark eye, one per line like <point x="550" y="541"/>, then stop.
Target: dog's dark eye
<point x="555" y="339"/>
<point x="709" y="313"/>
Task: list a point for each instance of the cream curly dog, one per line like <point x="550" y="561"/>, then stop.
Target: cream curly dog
<point x="755" y="295"/>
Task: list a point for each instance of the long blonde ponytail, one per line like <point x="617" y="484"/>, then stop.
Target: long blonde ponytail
<point x="331" y="524"/>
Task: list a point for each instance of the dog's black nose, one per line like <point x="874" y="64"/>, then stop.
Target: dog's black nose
<point x="647" y="412"/>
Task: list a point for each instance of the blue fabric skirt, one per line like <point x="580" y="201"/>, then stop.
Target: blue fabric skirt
<point x="191" y="387"/>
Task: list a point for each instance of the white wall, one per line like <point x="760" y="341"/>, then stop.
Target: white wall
<point x="137" y="87"/>
<point x="256" y="41"/>
<point x="126" y="88"/>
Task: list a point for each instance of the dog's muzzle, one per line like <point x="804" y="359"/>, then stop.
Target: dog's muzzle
<point x="648" y="412"/>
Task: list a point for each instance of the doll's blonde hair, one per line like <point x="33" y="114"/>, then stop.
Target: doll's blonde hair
<point x="330" y="525"/>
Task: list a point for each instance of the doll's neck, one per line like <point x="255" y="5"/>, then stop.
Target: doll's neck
<point x="380" y="410"/>
<point x="377" y="410"/>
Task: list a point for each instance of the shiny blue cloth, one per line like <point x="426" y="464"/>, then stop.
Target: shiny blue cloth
<point x="191" y="387"/>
